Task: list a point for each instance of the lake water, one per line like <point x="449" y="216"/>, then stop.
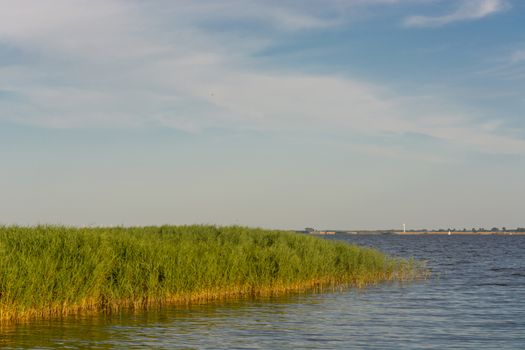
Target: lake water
<point x="474" y="300"/>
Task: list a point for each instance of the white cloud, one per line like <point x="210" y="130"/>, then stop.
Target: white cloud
<point x="467" y="10"/>
<point x="131" y="64"/>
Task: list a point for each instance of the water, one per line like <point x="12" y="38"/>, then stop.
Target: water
<point x="475" y="300"/>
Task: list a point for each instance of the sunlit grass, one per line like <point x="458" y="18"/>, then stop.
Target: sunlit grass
<point x="54" y="270"/>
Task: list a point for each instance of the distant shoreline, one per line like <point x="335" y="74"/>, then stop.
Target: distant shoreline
<point x="394" y="232"/>
<point x="506" y="233"/>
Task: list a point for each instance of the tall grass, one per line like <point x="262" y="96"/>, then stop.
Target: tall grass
<point x="55" y="270"/>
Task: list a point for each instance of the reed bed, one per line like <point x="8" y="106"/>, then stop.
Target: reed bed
<point x="48" y="271"/>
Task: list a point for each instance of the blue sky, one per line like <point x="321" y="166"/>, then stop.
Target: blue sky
<point x="280" y="114"/>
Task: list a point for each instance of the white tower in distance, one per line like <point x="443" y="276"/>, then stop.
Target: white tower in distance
<point x="404" y="228"/>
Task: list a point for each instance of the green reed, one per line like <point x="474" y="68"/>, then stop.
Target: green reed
<point x="55" y="270"/>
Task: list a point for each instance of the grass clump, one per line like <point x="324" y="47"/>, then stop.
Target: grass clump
<point x="55" y="270"/>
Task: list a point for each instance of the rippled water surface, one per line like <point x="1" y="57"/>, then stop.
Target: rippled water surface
<point x="474" y="300"/>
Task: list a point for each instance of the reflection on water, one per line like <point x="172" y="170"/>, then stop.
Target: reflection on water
<point x="474" y="300"/>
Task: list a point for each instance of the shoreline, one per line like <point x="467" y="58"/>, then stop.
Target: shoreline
<point x="93" y="307"/>
<point x="394" y="232"/>
<point x="465" y="233"/>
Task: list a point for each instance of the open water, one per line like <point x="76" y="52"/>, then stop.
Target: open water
<point x="475" y="299"/>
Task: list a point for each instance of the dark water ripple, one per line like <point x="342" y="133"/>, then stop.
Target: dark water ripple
<point x="475" y="300"/>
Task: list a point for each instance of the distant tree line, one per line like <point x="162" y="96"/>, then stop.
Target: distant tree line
<point x="474" y="229"/>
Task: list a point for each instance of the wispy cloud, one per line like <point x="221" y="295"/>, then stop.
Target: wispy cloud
<point x="468" y="10"/>
<point x="508" y="66"/>
<point x="131" y="64"/>
<point x="518" y="56"/>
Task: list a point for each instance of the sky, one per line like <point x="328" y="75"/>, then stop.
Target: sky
<point x="333" y="114"/>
